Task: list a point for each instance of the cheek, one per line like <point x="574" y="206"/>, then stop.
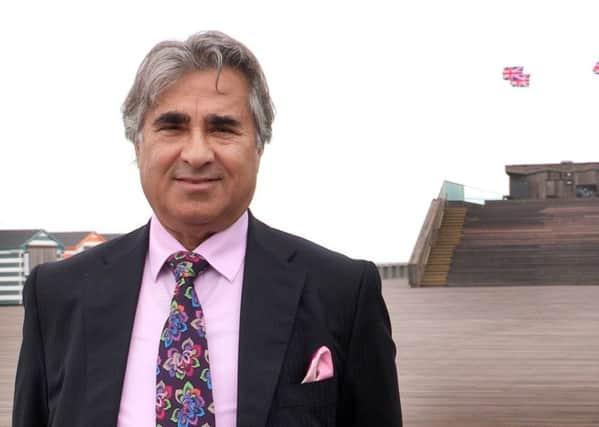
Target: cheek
<point x="235" y="159"/>
<point x="247" y="170"/>
<point x="155" y="161"/>
<point x="250" y="159"/>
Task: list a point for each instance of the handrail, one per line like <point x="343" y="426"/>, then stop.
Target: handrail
<point x="453" y="191"/>
<point x="426" y="239"/>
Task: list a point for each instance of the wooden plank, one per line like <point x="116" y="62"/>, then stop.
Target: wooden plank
<point x="11" y="320"/>
<point x="468" y="357"/>
<point x="497" y="357"/>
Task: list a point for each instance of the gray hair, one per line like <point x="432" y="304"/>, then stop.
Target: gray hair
<point x="170" y="60"/>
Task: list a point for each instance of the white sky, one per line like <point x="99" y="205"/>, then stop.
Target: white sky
<point x="377" y="103"/>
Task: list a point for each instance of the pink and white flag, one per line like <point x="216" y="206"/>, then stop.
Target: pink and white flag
<point x="523" y="80"/>
<point x="510" y="72"/>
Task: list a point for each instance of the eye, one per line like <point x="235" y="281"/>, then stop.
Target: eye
<point x="223" y="130"/>
<point x="170" y="127"/>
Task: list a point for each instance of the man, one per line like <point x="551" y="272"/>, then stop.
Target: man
<point x="119" y="335"/>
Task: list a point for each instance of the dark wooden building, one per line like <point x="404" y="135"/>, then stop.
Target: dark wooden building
<point x="565" y="180"/>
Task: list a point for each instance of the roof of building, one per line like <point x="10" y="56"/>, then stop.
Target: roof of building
<point x="13" y="239"/>
<point x="70" y="238"/>
<point x="16" y="239"/>
<point x="551" y="167"/>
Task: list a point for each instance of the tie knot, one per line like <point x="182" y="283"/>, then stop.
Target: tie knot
<point x="186" y="264"/>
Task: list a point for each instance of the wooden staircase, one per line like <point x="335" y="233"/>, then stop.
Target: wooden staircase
<point x="528" y="243"/>
<point x="450" y="234"/>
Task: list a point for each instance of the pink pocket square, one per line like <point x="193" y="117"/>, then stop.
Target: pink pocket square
<point x="321" y="366"/>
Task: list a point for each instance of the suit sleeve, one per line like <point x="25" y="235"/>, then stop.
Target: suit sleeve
<point x="30" y="407"/>
<point x="370" y="392"/>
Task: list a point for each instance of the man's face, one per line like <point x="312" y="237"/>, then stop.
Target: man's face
<point x="198" y="158"/>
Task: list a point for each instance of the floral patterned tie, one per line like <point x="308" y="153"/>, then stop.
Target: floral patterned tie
<point x="183" y="384"/>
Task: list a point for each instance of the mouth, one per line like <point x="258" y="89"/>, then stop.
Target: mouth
<point x="197" y="183"/>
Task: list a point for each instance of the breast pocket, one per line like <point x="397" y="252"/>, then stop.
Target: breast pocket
<point x="319" y="393"/>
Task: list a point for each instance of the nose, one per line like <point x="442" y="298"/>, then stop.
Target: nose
<point x="197" y="150"/>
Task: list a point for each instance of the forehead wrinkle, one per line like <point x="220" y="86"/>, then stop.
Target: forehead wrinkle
<point x="225" y="106"/>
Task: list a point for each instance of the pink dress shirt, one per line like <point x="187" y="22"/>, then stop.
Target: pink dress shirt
<point x="219" y="291"/>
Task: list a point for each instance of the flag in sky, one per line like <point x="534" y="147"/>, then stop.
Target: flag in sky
<point x="596" y="68"/>
<point x="523" y="80"/>
<point x="510" y="72"/>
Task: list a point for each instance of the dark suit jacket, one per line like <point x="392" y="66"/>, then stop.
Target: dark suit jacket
<point x="297" y="296"/>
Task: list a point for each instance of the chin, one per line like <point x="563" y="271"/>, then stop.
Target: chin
<point x="211" y="217"/>
<point x="196" y="218"/>
<point x="204" y="216"/>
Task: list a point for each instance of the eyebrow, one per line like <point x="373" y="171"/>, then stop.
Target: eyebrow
<point x="171" y="118"/>
<point x="222" y="121"/>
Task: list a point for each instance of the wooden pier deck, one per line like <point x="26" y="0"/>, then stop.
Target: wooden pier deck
<point x="468" y="357"/>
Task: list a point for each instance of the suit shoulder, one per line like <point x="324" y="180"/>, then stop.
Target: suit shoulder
<point x="80" y="263"/>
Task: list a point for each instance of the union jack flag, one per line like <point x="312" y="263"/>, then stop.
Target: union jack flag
<point x="523" y="80"/>
<point x="596" y="68"/>
<point x="510" y="72"/>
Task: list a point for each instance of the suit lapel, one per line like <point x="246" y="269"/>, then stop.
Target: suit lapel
<point x="111" y="302"/>
<point x="272" y="288"/>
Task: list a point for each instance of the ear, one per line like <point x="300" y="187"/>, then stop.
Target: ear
<point x="136" y="145"/>
<point x="259" y="157"/>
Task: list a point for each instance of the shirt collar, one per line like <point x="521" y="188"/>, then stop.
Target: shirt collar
<point x="224" y="250"/>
